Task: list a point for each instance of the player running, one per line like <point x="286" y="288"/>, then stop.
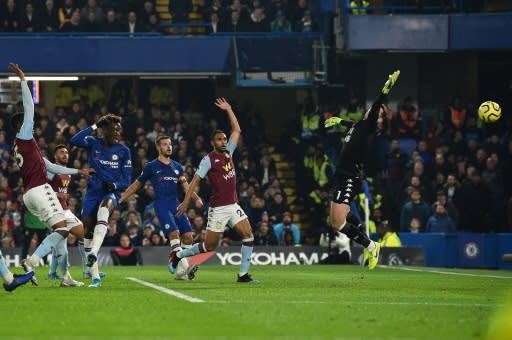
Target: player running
<point x="165" y="174"/>
<point x="112" y="162"/>
<point x="224" y="210"/>
<point x="60" y="176"/>
<point x="348" y="168"/>
<point x="38" y="197"/>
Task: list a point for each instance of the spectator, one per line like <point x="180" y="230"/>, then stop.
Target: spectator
<point x="451" y="209"/>
<point x="265" y="236"/>
<point x="236" y="24"/>
<point x="280" y="24"/>
<point x="415" y="226"/>
<point x="111" y="24"/>
<point x="30" y="21"/>
<point x="146" y="13"/>
<point x="276" y="208"/>
<point x="9" y="17"/>
<point x="282" y="229"/>
<point x="358" y="7"/>
<point x="113" y="235"/>
<point x="440" y="222"/>
<point x="91" y="24"/>
<point x="74" y="24"/>
<point x="92" y="6"/>
<point x="258" y="21"/>
<point x="493" y="179"/>
<point x="388" y="238"/>
<point x="50" y="17"/>
<point x="306" y="23"/>
<point x="415" y="208"/>
<point x="126" y="254"/>
<point x="215" y="24"/>
<point x="133" y="25"/>
<point x="408" y="120"/>
<point x="134" y="235"/>
<point x="299" y="10"/>
<point x="456" y="114"/>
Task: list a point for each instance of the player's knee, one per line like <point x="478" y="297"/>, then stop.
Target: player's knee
<point x="249" y="241"/>
<point x="210" y="246"/>
<point x="62" y="231"/>
<point x="187" y="238"/>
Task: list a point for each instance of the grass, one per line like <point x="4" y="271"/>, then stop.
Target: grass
<point x="291" y="301"/>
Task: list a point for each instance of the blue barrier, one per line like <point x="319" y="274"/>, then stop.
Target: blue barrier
<point x="141" y="54"/>
<point x="489" y="30"/>
<point x="463" y="250"/>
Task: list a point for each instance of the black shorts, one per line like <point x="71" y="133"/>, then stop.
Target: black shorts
<point x="345" y="188"/>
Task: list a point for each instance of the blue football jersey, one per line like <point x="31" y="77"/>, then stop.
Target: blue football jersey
<point x="112" y="164"/>
<point x="164" y="177"/>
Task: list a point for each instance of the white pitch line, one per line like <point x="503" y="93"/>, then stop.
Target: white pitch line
<point x="166" y="290"/>
<point x="446" y="273"/>
<point x="401" y="303"/>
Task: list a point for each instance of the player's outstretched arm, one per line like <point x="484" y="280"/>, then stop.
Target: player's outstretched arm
<point x="223" y="104"/>
<point x="28" y="105"/>
<point x="132" y="189"/>
<point x="182" y="208"/>
<point x="197" y="200"/>
<point x="82" y="138"/>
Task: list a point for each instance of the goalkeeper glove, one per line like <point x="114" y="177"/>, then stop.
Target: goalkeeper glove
<point x="390" y="82"/>
<point x="332" y="121"/>
<point x="109" y="187"/>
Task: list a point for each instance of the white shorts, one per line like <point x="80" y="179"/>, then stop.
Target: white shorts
<point x="43" y="203"/>
<point x="229" y="215"/>
<point x="71" y="220"/>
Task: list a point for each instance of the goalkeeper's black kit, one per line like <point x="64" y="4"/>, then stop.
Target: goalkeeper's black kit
<point x="350" y="162"/>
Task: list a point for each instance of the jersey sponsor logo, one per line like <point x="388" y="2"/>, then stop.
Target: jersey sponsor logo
<point x="112" y="164"/>
<point x="168" y="178"/>
<point x="229" y="175"/>
<point x="227" y="166"/>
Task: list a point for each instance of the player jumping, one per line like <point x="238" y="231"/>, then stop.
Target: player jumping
<point x="224" y="210"/>
<point x="165" y="174"/>
<point x="38" y="197"/>
<point x="112" y="162"/>
<point x="349" y="165"/>
<point x="60" y="176"/>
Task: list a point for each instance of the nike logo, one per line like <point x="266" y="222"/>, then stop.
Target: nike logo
<point x="158" y="171"/>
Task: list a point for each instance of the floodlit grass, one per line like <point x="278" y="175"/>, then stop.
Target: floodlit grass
<point x="292" y="301"/>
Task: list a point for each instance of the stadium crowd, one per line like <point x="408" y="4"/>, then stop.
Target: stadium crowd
<point x="141" y="16"/>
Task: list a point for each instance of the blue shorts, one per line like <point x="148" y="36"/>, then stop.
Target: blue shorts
<point x="93" y="199"/>
<point x="166" y="213"/>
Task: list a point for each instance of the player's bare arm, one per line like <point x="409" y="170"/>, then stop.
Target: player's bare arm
<point x="17" y="70"/>
<point x="133" y="188"/>
<point x="197" y="200"/>
<point x="182" y="208"/>
<point x="223" y="104"/>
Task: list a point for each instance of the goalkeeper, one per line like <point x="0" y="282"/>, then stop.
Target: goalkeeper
<point x="349" y="165"/>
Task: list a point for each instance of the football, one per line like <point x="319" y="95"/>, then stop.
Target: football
<point x="489" y="111"/>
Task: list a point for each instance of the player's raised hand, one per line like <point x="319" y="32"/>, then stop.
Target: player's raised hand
<point x="102" y="122"/>
<point x="222" y="104"/>
<point x="17" y="70"/>
<point x="332" y="121"/>
<point x="86" y="171"/>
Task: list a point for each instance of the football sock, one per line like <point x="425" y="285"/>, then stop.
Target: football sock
<point x="355" y="234"/>
<point x="247" y="247"/>
<point x="46" y="246"/>
<point x="194" y="250"/>
<point x="4" y="271"/>
<point x="61" y="251"/>
<point x="87" y="251"/>
<point x="81" y="250"/>
<point x="54" y="263"/>
<point x="175" y="245"/>
<point x="95" y="273"/>
<point x="97" y="240"/>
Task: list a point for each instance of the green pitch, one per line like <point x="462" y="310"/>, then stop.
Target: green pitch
<point x="292" y="301"/>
